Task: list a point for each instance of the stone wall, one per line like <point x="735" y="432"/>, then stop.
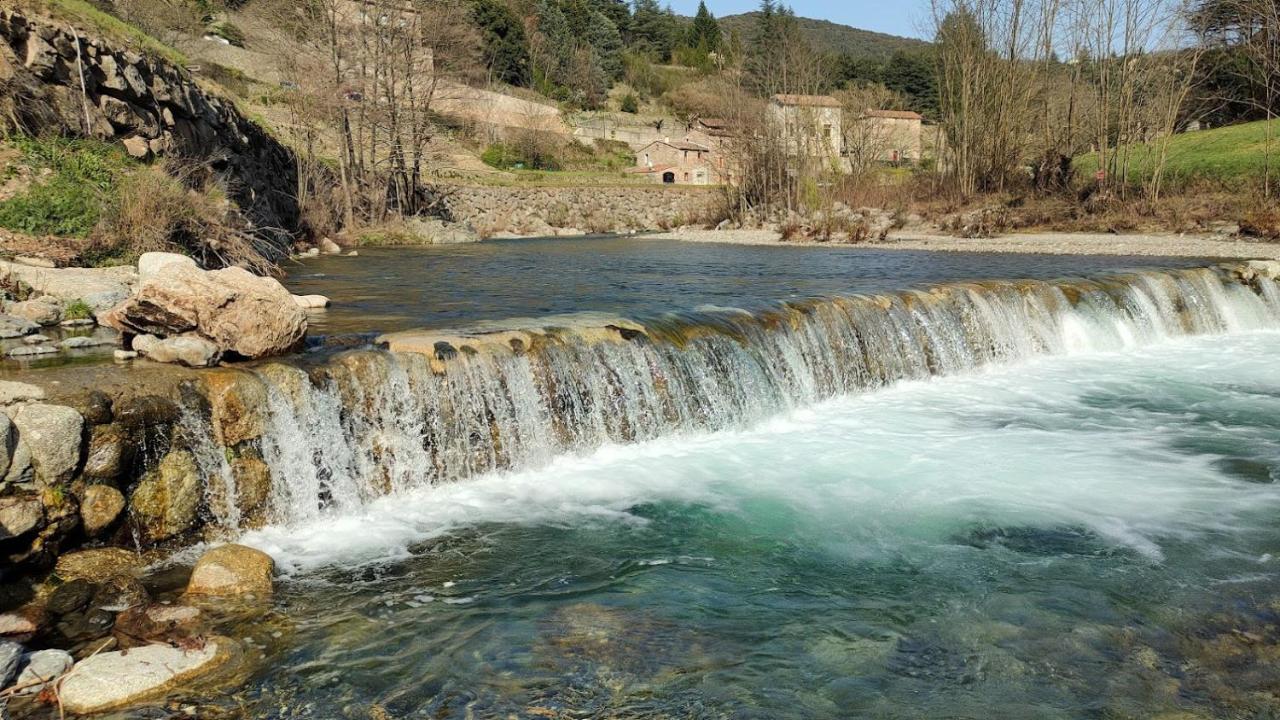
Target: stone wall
<point x="496" y="211"/>
<point x="54" y="79"/>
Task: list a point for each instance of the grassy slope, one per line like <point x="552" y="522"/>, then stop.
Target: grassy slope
<point x="84" y="14"/>
<point x="831" y="37"/>
<point x="1232" y="155"/>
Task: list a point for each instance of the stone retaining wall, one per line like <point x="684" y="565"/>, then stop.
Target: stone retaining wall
<point x="54" y="79"/>
<point x="549" y="211"/>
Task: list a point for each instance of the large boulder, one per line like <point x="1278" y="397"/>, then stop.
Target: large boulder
<point x="20" y="516"/>
<point x="187" y="349"/>
<point x="153" y="263"/>
<point x="238" y="404"/>
<point x="12" y="326"/>
<point x="233" y="571"/>
<point x="41" y="311"/>
<point x="166" y="502"/>
<point x="241" y="313"/>
<point x="113" y="680"/>
<point x="52" y="433"/>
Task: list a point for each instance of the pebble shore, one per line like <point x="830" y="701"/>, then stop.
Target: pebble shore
<point x="1163" y="245"/>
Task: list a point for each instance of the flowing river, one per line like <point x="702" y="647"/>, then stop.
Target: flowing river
<point x="1048" y="499"/>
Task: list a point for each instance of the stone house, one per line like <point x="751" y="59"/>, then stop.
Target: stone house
<point x="677" y="162"/>
<point x="892" y="136"/>
<point x="811" y="125"/>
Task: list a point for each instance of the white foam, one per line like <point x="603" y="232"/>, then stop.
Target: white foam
<point x="906" y="466"/>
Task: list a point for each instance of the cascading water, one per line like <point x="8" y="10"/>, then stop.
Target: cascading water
<point x="442" y="408"/>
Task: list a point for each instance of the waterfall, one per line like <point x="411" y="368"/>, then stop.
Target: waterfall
<point x="437" y="407"/>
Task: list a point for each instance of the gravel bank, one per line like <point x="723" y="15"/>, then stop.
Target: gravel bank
<point x="1043" y="243"/>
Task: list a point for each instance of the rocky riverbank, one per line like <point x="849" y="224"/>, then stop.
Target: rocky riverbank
<point x="1155" y="245"/>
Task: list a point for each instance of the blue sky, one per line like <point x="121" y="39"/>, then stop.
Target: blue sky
<point x="899" y="17"/>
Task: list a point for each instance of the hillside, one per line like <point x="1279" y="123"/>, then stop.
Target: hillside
<point x="1233" y="155"/>
<point x="831" y="37"/>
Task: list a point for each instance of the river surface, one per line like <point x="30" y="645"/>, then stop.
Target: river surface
<point x="389" y="289"/>
<point x="1087" y="533"/>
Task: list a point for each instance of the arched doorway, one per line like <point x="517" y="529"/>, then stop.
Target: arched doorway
<point x="668" y="177"/>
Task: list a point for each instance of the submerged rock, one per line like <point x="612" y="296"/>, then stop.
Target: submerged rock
<point x="98" y="564"/>
<point x="15" y="392"/>
<point x="113" y="680"/>
<point x="233" y="571"/>
<point x="311" y="302"/>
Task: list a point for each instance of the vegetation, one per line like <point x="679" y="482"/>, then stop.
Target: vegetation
<point x="77" y="310"/>
<point x="831" y="38"/>
<point x="1233" y="156"/>
<point x="82" y="177"/>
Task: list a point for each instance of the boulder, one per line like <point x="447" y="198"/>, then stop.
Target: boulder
<point x="52" y="433"/>
<point x="108" y="452"/>
<point x="36" y="339"/>
<point x="98" y="565"/>
<point x="187" y="349"/>
<point x="12" y="326"/>
<point x="232" y="571"/>
<point x="238" y="311"/>
<point x="20" y="625"/>
<point x="99" y="288"/>
<point x="43" y="311"/>
<point x="20" y="516"/>
<point x="253" y="482"/>
<point x="10" y="657"/>
<point x="93" y="405"/>
<point x="137" y="147"/>
<point x="8" y="443"/>
<point x="142" y="411"/>
<point x="167" y="500"/>
<point x="41" y="668"/>
<point x="86" y="342"/>
<point x="329" y="247"/>
<point x="238" y="405"/>
<point x="152" y="263"/>
<point x="113" y="680"/>
<point x="16" y="392"/>
<point x="311" y="302"/>
<point x="100" y="508"/>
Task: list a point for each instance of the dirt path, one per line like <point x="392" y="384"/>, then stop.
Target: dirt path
<point x="1042" y="243"/>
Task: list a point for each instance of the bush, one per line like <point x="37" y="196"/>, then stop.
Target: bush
<point x="69" y="202"/>
<point x="228" y="32"/>
<point x="77" y="310"/>
<point x="629" y="104"/>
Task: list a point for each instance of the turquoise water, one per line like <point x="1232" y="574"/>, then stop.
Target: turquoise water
<point x="1089" y="535"/>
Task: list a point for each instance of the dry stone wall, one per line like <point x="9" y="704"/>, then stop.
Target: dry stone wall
<point x="548" y="211"/>
<point x="53" y="79"/>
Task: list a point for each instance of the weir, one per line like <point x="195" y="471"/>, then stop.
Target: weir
<point x="432" y="407"/>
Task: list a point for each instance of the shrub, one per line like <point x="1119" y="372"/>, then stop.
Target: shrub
<point x="228" y="32"/>
<point x="77" y="310"/>
<point x="629" y="104"/>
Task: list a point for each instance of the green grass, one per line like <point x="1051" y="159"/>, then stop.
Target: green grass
<point x="68" y="202"/>
<point x="77" y="310"/>
<point x="113" y="27"/>
<point x="1233" y="156"/>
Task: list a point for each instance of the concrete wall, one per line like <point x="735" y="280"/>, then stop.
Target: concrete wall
<point x="544" y="211"/>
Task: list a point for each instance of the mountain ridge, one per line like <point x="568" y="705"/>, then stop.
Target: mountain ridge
<point x="831" y="37"/>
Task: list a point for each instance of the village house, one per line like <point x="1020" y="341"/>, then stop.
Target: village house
<point x="678" y="162"/>
<point x="811" y="125"/>
<point x="891" y="136"/>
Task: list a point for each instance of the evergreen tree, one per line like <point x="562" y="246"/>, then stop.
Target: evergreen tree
<point x="506" y="49"/>
<point x="704" y="33"/>
<point x="653" y="30"/>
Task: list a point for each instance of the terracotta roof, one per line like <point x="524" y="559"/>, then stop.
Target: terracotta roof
<point x="683" y="145"/>
<point x="807" y="100"/>
<point x="714" y="122"/>
<point x="893" y="114"/>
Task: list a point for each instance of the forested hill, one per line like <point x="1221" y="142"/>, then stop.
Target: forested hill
<point x="830" y="37"/>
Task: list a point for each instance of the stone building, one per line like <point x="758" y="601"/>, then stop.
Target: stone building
<point x="677" y="162"/>
<point x="811" y="125"/>
<point x="892" y="136"/>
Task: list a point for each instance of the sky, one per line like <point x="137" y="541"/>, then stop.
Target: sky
<point x="897" y="17"/>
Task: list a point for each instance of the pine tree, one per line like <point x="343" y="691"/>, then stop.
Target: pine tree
<point x="704" y="34"/>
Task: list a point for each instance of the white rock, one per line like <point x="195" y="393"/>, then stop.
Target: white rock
<point x="88" y="341"/>
<point x="152" y="263"/>
<point x="99" y="288"/>
<point x="33" y="351"/>
<point x="40" y="668"/>
<point x="118" y="679"/>
<point x="35" y="262"/>
<point x="190" y="350"/>
<point x="329" y="247"/>
<point x="353" y="253"/>
<point x="123" y="355"/>
<point x="52" y="433"/>
<point x="15" y="392"/>
<point x="44" y="310"/>
<point x="311" y="302"/>
<point x="35" y="339"/>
